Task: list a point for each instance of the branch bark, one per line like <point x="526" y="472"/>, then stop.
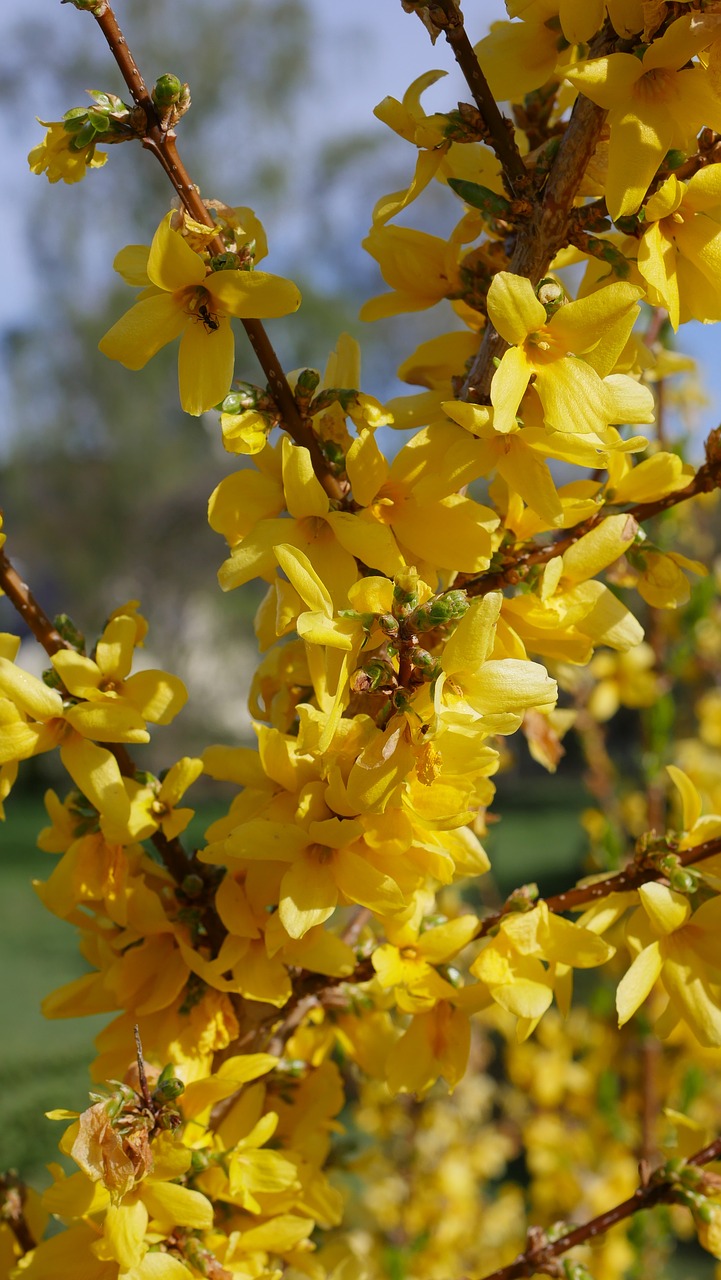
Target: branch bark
<point x="445" y="15"/>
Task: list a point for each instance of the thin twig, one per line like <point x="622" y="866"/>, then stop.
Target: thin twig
<point x="528" y="555"/>
<point x="22" y="600"/>
<point x="445" y="15"/>
<point x="632" y="877"/>
<point x="162" y="144"/>
<point x="658" y="1191"/>
<point x="546" y="230"/>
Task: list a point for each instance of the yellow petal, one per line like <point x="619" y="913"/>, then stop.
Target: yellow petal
<point x="205" y="365"/>
<point x="666" y="909"/>
<point x="513" y="308"/>
<point x="637" y="982"/>
<point x="172" y="264"/>
<point x="690" y="798"/>
<point x="149" y="325"/>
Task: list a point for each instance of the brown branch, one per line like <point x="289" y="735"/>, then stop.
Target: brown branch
<point x="22" y="600"/>
<point x="546" y="230"/>
<point x="161" y="142"/>
<point x="539" y="1257"/>
<point x="634" y="875"/>
<point x="499" y="130"/>
<point x="526" y="556"/>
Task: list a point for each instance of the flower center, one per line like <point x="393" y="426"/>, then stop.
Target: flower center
<point x="655" y="85"/>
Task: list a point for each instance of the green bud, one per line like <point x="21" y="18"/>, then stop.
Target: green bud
<point x="683" y="881"/>
<point x="387" y="623"/>
<point x="74" y="119"/>
<point x="192" y="885"/>
<point x="705" y="1211"/>
<point x="308" y="380"/>
<point x="100" y="122"/>
<point x="551" y="295"/>
<point x="674" y="159"/>
<point x="373" y="675"/>
<point x="490" y="204"/>
<point x="424" y="662"/>
<point x="68" y="630"/>
<point x="171" y="1089"/>
<point x="167" y="90"/>
<point x="113" y="1107"/>
<point x="442" y="609"/>
<point x="246" y="397"/>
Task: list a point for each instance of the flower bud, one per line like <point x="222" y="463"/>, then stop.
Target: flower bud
<point x="308" y="380"/>
<point x="405" y="592"/>
<point x="425" y="662"/>
<point x="442" y="609"/>
<point x="167" y="90"/>
<point x="372" y="675"/>
<point x="246" y="397"/>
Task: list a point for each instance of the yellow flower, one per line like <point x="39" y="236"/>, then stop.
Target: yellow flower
<point x="56" y="157"/>
<point x="472" y="687"/>
<point x="572" y="391"/>
<point x="420" y="268"/>
<point x="679" y="254"/>
<point x="654" y="103"/>
<point x="187" y="299"/>
<point x="680" y="948"/>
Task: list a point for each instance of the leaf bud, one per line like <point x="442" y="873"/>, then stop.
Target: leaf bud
<point x="683" y="880"/>
<point x="308" y="380"/>
<point x="69" y="632"/>
<point x="523" y="898"/>
<point x="225" y="262"/>
<point x="168" y="1087"/>
<point x="387" y="623"/>
<point x="442" y="609"/>
<point x="246" y="397"/>
<point x="706" y="1211"/>
<point x="167" y="90"/>
<point x="424" y="662"/>
<point x="83" y="138"/>
<point x="192" y="885"/>
<point x="199" y="1161"/>
<point x="75" y="119"/>
<point x="372" y="676"/>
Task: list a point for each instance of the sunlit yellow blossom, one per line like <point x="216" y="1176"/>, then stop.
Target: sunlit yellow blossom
<point x="680" y="947"/>
<point x="420" y="269"/>
<point x="571" y="390"/>
<point x="679" y="253"/>
<point x="186" y="299"/>
<point x="654" y="103"/>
